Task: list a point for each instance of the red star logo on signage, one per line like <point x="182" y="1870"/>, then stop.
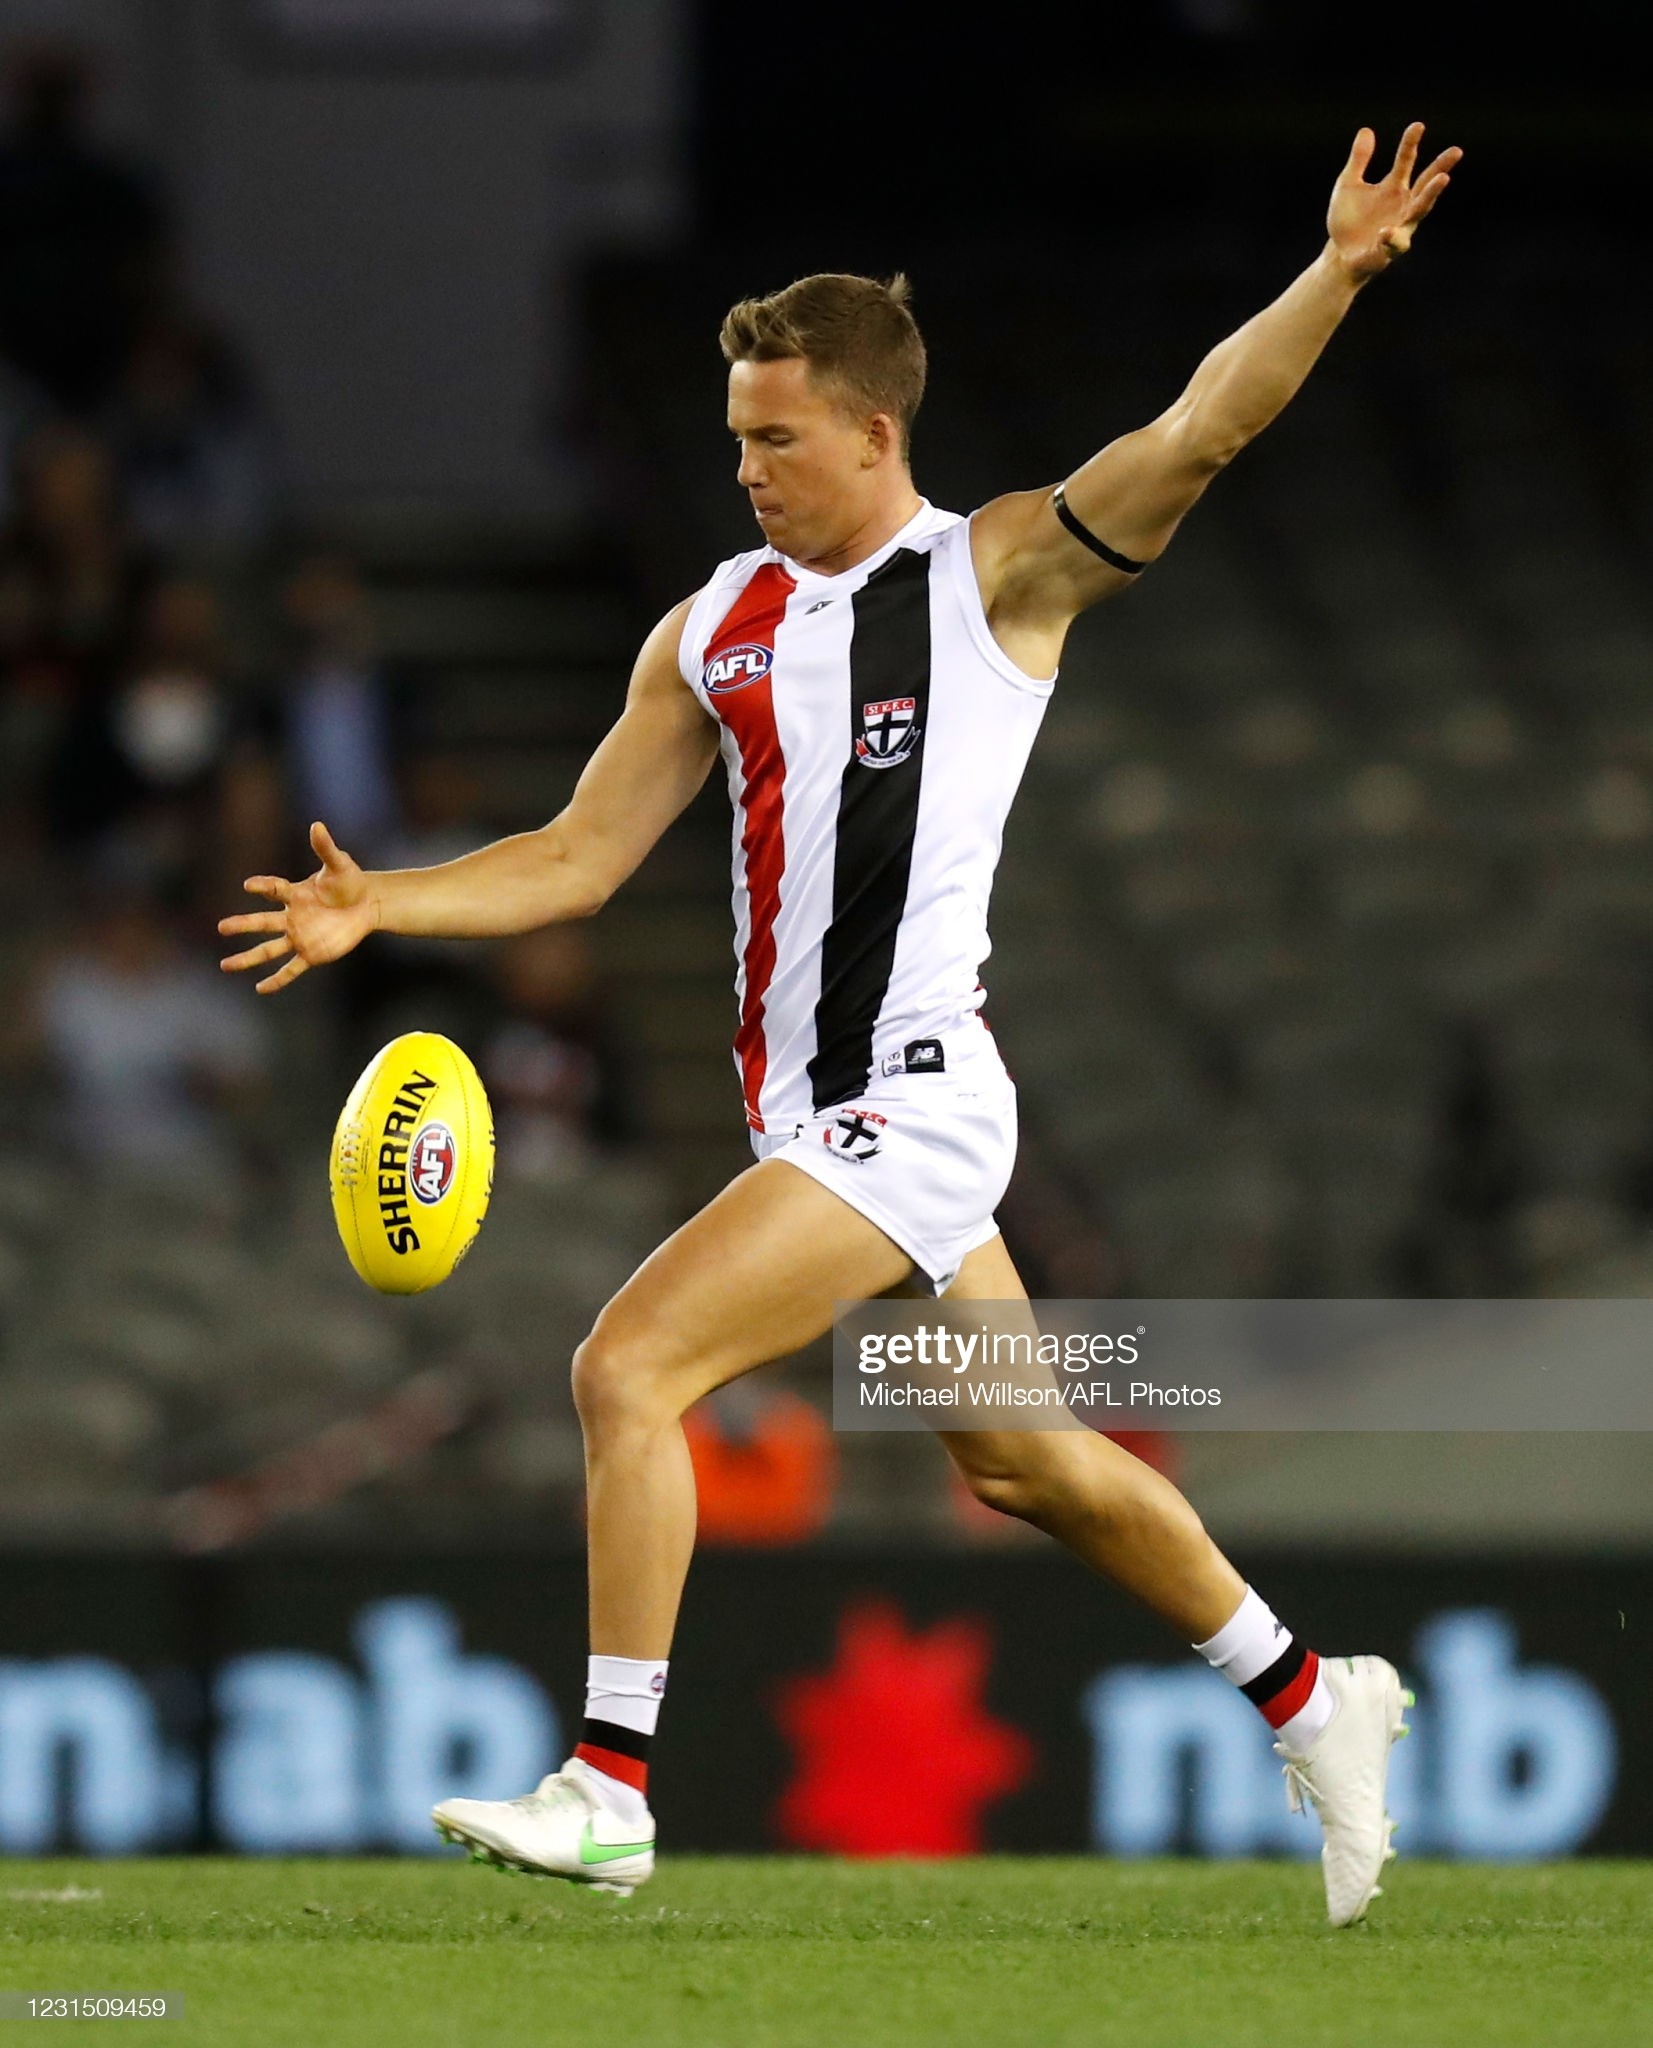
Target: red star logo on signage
<point x="897" y="1754"/>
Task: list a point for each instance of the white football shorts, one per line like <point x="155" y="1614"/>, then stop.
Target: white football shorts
<point x="924" y="1151"/>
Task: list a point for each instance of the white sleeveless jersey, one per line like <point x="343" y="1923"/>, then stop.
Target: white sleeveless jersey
<point x="874" y="734"/>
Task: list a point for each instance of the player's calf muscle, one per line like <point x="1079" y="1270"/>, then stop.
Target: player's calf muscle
<point x="1113" y="1512"/>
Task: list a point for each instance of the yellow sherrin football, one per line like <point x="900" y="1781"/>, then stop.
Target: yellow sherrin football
<point x="413" y="1164"/>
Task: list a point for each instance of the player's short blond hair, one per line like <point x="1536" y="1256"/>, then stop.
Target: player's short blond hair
<point x="856" y="332"/>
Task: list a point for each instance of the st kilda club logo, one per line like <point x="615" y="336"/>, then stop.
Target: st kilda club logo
<point x="855" y="1134"/>
<point x="735" y="668"/>
<point x="889" y="732"/>
<point x="432" y="1157"/>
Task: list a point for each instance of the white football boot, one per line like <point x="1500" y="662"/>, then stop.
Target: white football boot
<point x="561" y="1829"/>
<point x="1342" y="1775"/>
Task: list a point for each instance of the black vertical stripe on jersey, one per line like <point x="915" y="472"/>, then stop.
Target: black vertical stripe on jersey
<point x="889" y="656"/>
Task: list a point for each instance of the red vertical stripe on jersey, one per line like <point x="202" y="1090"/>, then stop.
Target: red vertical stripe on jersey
<point x="749" y="713"/>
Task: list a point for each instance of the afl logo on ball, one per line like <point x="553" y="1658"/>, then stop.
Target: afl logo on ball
<point x="734" y="668"/>
<point x="432" y="1158"/>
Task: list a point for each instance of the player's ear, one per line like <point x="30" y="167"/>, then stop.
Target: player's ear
<point x="883" y="440"/>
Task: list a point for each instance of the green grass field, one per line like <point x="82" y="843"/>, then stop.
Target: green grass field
<point x="796" y="1953"/>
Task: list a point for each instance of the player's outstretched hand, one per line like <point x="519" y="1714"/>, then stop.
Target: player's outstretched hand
<point x="319" y="920"/>
<point x="1370" y="225"/>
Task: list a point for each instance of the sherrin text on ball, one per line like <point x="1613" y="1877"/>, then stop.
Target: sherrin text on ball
<point x="413" y="1163"/>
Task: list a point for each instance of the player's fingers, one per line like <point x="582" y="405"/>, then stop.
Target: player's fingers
<point x="290" y="973"/>
<point x="1396" y="240"/>
<point x="255" y="956"/>
<point x="252" y="921"/>
<point x="1361" y="154"/>
<point x="321" y="844"/>
<point x="1448" y="160"/>
<point x="1407" y="155"/>
<point x="268" y="885"/>
<point x="1425" y="195"/>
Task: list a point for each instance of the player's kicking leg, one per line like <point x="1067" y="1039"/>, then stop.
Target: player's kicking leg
<point x="1334" y="1718"/>
<point x="753" y="1277"/>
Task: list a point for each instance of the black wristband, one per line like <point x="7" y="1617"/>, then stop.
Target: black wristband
<point x="1083" y="534"/>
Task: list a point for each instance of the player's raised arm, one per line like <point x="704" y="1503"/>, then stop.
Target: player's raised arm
<point x="1042" y="556"/>
<point x="652" y="761"/>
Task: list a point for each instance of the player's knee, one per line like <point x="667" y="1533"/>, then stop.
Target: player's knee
<point x="615" y="1382"/>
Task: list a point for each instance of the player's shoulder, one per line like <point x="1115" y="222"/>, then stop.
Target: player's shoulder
<point x="712" y="603"/>
<point x="937" y="522"/>
<point x="934" y="529"/>
<point x="738" y="571"/>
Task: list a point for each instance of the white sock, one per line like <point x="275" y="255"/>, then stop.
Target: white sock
<point x="622" y="1710"/>
<point x="1281" y="1678"/>
<point x="626" y="1690"/>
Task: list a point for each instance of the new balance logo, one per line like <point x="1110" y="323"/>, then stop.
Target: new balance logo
<point x="923" y="1056"/>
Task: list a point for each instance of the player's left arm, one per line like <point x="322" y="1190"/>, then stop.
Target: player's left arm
<point x="1036" y="573"/>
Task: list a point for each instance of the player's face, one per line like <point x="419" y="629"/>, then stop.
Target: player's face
<point x="808" y="467"/>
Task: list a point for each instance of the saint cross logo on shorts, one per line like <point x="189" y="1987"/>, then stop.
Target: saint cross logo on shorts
<point x="889" y="732"/>
<point x="855" y="1134"/>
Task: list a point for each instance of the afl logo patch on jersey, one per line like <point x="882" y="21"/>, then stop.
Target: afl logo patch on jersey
<point x="734" y="668"/>
<point x="432" y="1158"/>
<point x="889" y="732"/>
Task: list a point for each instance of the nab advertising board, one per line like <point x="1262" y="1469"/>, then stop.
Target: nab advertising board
<point x="927" y="1706"/>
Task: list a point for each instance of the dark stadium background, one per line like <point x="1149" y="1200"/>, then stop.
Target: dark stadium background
<point x="362" y="408"/>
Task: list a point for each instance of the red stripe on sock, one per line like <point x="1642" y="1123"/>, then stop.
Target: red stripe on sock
<point x="626" y="1768"/>
<point x="1292" y="1699"/>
